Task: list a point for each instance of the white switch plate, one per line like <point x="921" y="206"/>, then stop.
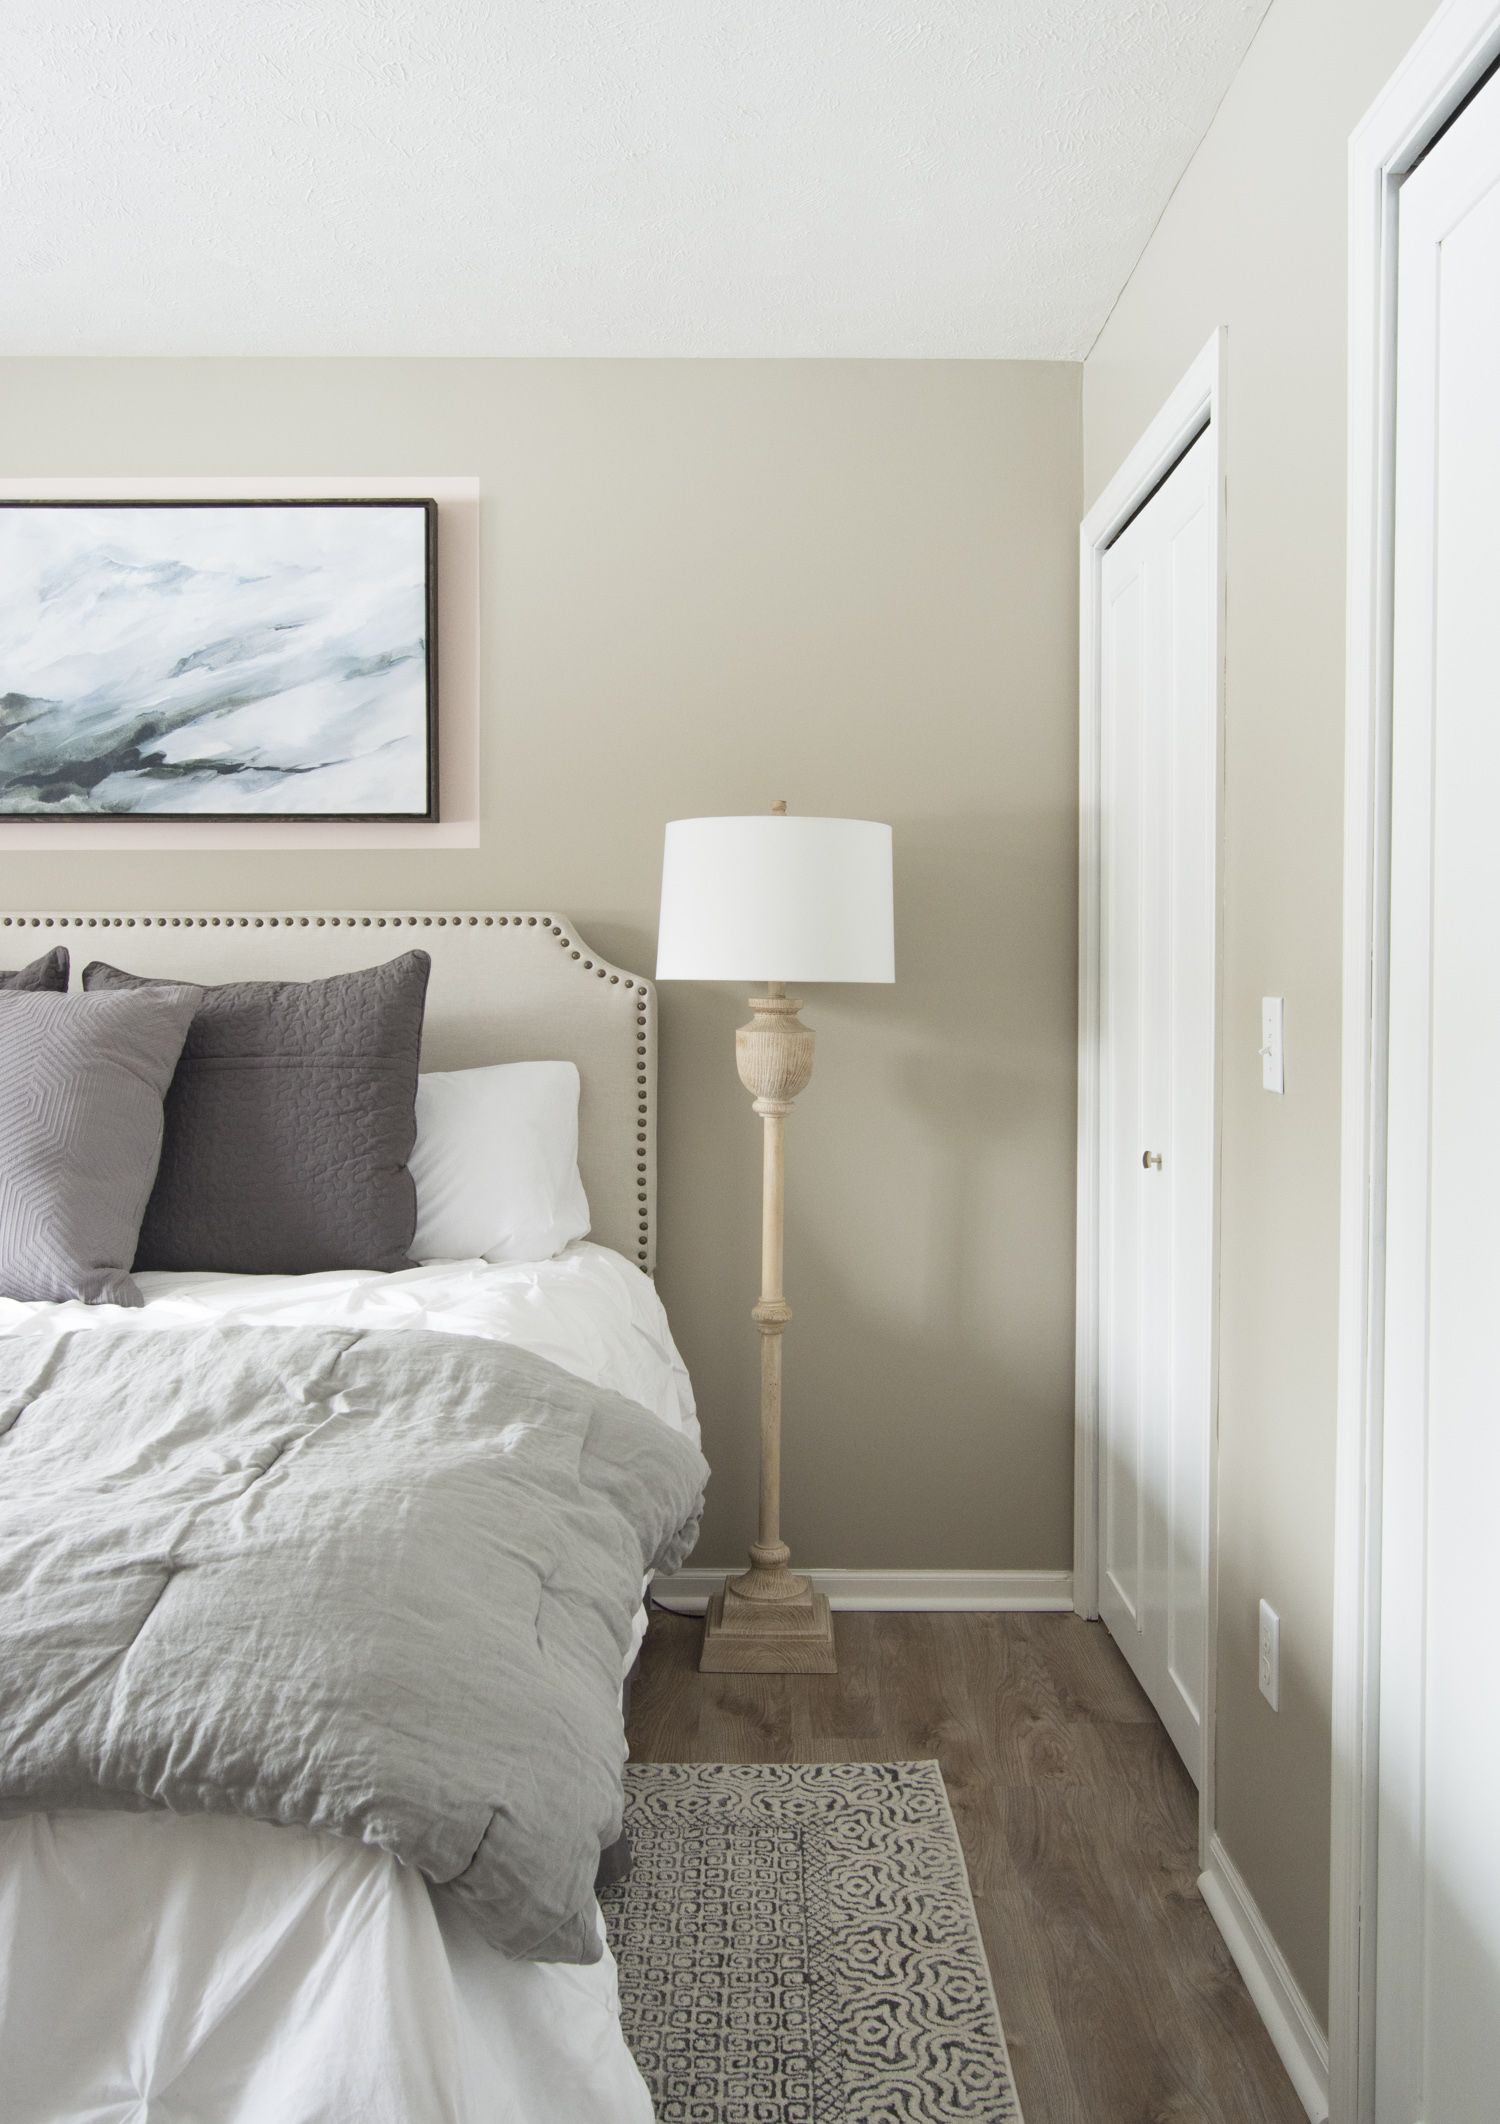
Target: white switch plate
<point x="1270" y="1655"/>
<point x="1272" y="1043"/>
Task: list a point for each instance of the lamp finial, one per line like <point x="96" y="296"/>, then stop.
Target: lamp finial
<point x="778" y="809"/>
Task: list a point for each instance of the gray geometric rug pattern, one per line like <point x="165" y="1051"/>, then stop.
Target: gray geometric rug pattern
<point x="797" y="1945"/>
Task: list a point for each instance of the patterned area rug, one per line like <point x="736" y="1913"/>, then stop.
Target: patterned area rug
<point x="797" y="1945"/>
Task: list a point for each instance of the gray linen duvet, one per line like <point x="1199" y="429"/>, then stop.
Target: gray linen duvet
<point x="375" y="1584"/>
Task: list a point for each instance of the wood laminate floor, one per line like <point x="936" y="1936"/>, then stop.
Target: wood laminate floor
<point x="1120" y="2002"/>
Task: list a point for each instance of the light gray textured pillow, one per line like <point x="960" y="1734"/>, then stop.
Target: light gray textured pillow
<point x="289" y="1125"/>
<point x="81" y="1085"/>
<point x="49" y="972"/>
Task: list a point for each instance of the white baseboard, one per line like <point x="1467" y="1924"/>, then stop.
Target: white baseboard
<point x="1293" y="2028"/>
<point x="898" y="1592"/>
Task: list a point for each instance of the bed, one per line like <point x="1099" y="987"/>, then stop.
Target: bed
<point x="218" y="1967"/>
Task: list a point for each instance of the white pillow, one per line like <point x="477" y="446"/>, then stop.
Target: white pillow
<point x="496" y="1163"/>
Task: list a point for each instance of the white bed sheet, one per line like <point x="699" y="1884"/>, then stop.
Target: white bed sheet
<point x="588" y="1310"/>
<point x="216" y="1971"/>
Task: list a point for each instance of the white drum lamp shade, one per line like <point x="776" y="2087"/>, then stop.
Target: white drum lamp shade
<point x="772" y="898"/>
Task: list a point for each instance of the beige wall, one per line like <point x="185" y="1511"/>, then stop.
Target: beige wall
<point x="707" y="585"/>
<point x="1255" y="239"/>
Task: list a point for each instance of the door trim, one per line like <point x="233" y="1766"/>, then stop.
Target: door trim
<point x="1452" y="55"/>
<point x="1196" y="405"/>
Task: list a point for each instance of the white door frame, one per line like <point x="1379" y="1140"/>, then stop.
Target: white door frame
<point x="1457" y="48"/>
<point x="1196" y="404"/>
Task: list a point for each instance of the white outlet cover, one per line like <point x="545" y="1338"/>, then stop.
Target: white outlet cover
<point x="1270" y="1655"/>
<point x="1273" y="1043"/>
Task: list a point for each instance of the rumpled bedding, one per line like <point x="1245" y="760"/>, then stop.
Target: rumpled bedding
<point x="372" y="1583"/>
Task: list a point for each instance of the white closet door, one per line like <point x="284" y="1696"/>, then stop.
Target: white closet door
<point x="1157" y="929"/>
<point x="1438" y="1902"/>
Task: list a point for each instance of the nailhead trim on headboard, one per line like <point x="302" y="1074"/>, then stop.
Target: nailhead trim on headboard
<point x="636" y="989"/>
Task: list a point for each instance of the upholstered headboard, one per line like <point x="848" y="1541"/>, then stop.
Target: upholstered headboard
<point x="504" y="988"/>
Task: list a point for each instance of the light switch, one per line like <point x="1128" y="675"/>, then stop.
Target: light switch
<point x="1272" y="1031"/>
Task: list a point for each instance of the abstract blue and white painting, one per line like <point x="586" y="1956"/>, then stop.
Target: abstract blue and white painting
<point x="223" y="659"/>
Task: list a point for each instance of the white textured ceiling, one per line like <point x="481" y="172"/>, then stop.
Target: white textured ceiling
<point x="628" y="177"/>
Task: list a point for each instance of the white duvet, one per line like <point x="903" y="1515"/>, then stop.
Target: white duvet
<point x="218" y="1971"/>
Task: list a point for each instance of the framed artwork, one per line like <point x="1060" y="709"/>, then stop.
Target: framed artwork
<point x="218" y="659"/>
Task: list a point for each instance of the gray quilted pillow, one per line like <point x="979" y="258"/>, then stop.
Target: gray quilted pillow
<point x="81" y="1086"/>
<point x="289" y="1125"/>
<point x="49" y="972"/>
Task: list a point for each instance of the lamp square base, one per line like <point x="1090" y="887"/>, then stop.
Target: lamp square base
<point x="764" y="1637"/>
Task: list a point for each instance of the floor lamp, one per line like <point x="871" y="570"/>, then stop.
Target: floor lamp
<point x="810" y="900"/>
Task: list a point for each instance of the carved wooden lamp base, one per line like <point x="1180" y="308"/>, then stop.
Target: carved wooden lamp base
<point x="795" y="1641"/>
<point x="768" y="1621"/>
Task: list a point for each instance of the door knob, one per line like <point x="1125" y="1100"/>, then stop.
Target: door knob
<point x="1150" y="1158"/>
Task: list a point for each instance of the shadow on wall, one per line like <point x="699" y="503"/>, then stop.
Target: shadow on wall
<point x="930" y="1222"/>
<point x="963" y="1101"/>
<point x="1248" y="1729"/>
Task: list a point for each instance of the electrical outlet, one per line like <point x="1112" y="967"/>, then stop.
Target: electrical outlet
<point x="1270" y="1655"/>
<point x="1273" y="1043"/>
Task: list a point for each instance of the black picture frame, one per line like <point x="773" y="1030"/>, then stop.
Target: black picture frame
<point x="430" y="812"/>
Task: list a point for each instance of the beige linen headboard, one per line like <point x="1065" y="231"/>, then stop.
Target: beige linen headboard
<point x="504" y="988"/>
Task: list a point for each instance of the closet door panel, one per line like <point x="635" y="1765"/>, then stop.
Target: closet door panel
<point x="1186" y="1077"/>
<point x="1158" y="937"/>
<point x="1437" y="1904"/>
<point x="1123" y="1252"/>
